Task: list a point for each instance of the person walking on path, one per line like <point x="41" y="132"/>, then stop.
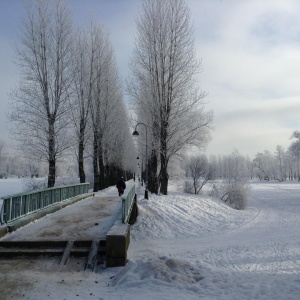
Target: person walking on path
<point x="121" y="186"/>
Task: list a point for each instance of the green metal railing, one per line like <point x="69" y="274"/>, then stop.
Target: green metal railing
<point x="18" y="205"/>
<point x="127" y="203"/>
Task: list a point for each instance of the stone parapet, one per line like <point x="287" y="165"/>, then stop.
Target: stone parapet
<point x="117" y="243"/>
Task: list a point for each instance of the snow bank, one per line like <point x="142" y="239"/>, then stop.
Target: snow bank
<point x="184" y="215"/>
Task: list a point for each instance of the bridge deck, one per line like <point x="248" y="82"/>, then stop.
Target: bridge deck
<point x="88" y="219"/>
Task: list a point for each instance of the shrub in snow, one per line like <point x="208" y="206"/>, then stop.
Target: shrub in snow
<point x="188" y="187"/>
<point x="235" y="189"/>
<point x="214" y="190"/>
<point x="235" y="193"/>
<point x="31" y="184"/>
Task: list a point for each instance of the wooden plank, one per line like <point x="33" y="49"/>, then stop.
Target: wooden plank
<point x="66" y="254"/>
<point x="15" y="252"/>
<point x="92" y="258"/>
<point x="95" y="251"/>
<point x="32" y="244"/>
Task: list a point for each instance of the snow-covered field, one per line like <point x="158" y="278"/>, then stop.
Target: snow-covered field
<point x="192" y="247"/>
<point x="10" y="186"/>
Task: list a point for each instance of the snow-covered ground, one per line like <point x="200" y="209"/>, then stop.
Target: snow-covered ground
<point x="191" y="247"/>
<point x="10" y="186"/>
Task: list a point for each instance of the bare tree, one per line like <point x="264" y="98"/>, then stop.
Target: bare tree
<point x="40" y="106"/>
<point x="294" y="148"/>
<point x="81" y="101"/>
<point x="264" y="165"/>
<point x="281" y="167"/>
<point x="290" y="163"/>
<point x="164" y="65"/>
<point x="200" y="171"/>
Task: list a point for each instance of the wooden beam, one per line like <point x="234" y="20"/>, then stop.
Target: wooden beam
<point x="66" y="254"/>
<point x="92" y="258"/>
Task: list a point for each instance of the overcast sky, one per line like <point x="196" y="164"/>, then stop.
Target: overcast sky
<point x="250" y="53"/>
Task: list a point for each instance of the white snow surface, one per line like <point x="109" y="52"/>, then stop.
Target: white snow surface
<point x="190" y="247"/>
<point x="10" y="186"/>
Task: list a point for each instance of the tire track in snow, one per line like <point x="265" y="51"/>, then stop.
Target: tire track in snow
<point x="272" y="253"/>
<point x="258" y="215"/>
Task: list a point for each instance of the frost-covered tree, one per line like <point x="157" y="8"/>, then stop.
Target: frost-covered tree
<point x="2" y="156"/>
<point x="294" y="149"/>
<point x="270" y="166"/>
<point x="40" y="102"/>
<point x="164" y="68"/>
<point x="280" y="157"/>
<point x="291" y="165"/>
<point x="199" y="171"/>
<point x="263" y="164"/>
<point x="84" y="77"/>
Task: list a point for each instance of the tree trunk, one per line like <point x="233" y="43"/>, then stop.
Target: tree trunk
<point x="101" y="169"/>
<point x="95" y="166"/>
<point x="164" y="176"/>
<point x="152" y="169"/>
<point x="108" y="176"/>
<point x="195" y="186"/>
<point x="51" y="160"/>
<point x="81" y="162"/>
<point x="51" y="174"/>
<point x="80" y="155"/>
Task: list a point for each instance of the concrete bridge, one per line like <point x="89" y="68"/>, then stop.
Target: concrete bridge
<point x="93" y="220"/>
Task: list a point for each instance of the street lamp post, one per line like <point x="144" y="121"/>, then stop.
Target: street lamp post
<point x="135" y="133"/>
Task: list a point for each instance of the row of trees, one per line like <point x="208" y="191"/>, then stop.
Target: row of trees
<point x="69" y="98"/>
<point x="281" y="165"/>
<point x="235" y="169"/>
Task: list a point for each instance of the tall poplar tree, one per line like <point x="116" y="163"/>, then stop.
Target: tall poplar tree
<point x="164" y="67"/>
<point x="40" y="102"/>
